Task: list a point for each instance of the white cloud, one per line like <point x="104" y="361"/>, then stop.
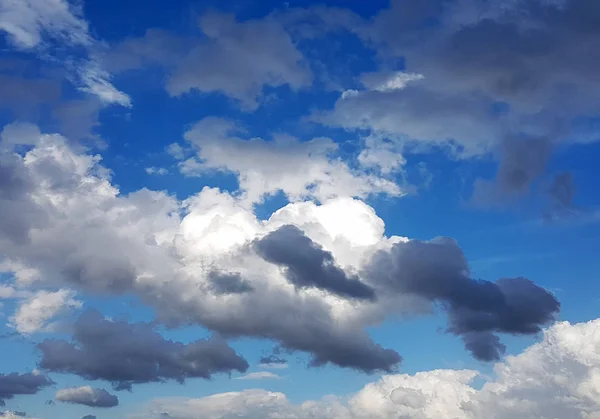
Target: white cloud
<point x="69" y="223"/>
<point x="96" y="81"/>
<point x="557" y="378"/>
<point x="13" y="415"/>
<point x="35" y="25"/>
<point x="72" y="226"/>
<point x="28" y="21"/>
<point x="160" y="171"/>
<point x="299" y="169"/>
<point x="384" y="82"/>
<point x="88" y="396"/>
<point x="35" y="314"/>
<point x="260" y="375"/>
<point x="176" y="151"/>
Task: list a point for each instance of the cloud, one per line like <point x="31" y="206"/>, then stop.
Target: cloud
<point x="127" y="354"/>
<point x="78" y="118"/>
<point x="511" y="79"/>
<point x="562" y="193"/>
<point x="556" y="378"/>
<point x="160" y="171"/>
<point x="307" y="264"/>
<point x="15" y="384"/>
<point x="88" y="396"/>
<point x="24" y="96"/>
<point x="236" y="58"/>
<point x="300" y="169"/>
<point x="438" y="271"/>
<point x="229" y="283"/>
<point x="39" y="26"/>
<point x="260" y="375"/>
<point x="273" y="362"/>
<point x="89" y="417"/>
<point x="13" y="414"/>
<point x="521" y="162"/>
<point x="35" y="313"/>
<point x="193" y="262"/>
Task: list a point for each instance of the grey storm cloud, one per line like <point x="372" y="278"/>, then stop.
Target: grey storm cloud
<point x="88" y="396"/>
<point x="126" y="354"/>
<point x="272" y="359"/>
<point x="298" y="323"/>
<point x="438" y="271"/>
<point x="14" y="384"/>
<point x="308" y="265"/>
<point x="228" y="283"/>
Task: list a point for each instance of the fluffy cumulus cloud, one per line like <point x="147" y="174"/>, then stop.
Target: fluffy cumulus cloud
<point x="126" y="354"/>
<point x="41" y="26"/>
<point x="88" y="396"/>
<point x="15" y="384"/>
<point x="556" y="378"/>
<point x="312" y="277"/>
<point x="36" y="312"/>
<point x="244" y="57"/>
<point x="299" y="169"/>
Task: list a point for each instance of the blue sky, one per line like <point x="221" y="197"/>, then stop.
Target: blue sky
<point x="395" y="199"/>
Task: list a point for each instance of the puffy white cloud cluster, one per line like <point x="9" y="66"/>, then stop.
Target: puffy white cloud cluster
<point x="210" y="260"/>
<point x="556" y="378"/>
<point x="69" y="225"/>
<point x="300" y="169"/>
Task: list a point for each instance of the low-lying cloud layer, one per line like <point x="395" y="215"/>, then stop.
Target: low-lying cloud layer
<point x="556" y="378"/>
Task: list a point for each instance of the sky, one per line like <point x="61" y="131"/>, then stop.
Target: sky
<point x="301" y="210"/>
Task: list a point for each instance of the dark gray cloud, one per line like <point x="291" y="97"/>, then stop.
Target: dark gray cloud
<point x="89" y="417"/>
<point x="14" y="384"/>
<point x="308" y="265"/>
<point x="232" y="69"/>
<point x="298" y="323"/>
<point x="437" y="271"/>
<point x="228" y="283"/>
<point x="88" y="396"/>
<point x="126" y="354"/>
<point x="562" y="194"/>
<point x="272" y="359"/>
<point x="18" y="212"/>
<point x="522" y="161"/>
<point x="514" y="78"/>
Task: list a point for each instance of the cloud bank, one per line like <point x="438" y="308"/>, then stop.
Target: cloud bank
<point x="556" y="378"/>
